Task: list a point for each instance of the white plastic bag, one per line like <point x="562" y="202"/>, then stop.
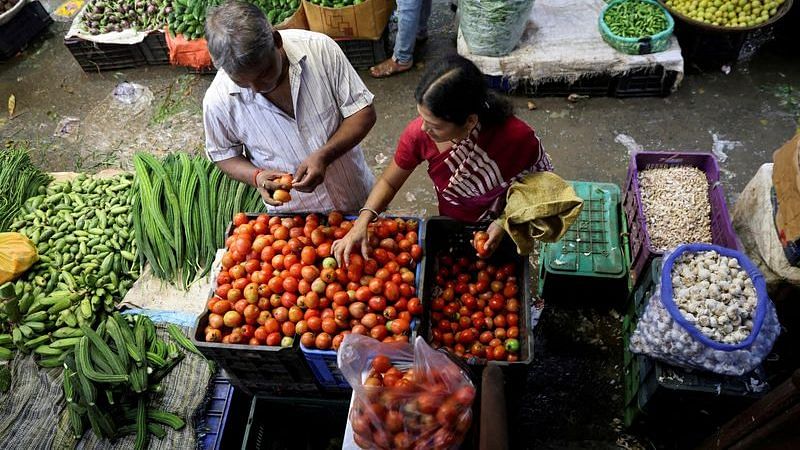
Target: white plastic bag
<point x="665" y="333"/>
<point x="493" y="27"/>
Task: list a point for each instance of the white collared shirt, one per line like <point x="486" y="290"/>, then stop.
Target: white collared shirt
<point x="325" y="90"/>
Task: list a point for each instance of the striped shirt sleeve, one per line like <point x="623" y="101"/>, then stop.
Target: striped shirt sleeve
<point x="351" y="93"/>
<point x="220" y="142"/>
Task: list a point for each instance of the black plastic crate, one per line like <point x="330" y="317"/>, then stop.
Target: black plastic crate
<point x="29" y="22"/>
<point x="96" y="57"/>
<point x="655" y="82"/>
<point x="364" y="54"/>
<point x="155" y="49"/>
<point x="259" y="370"/>
<point x="283" y="423"/>
<point x="443" y="234"/>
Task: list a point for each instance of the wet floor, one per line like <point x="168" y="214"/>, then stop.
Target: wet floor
<point x="572" y="397"/>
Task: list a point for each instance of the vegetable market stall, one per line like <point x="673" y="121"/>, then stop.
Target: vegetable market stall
<point x="562" y="45"/>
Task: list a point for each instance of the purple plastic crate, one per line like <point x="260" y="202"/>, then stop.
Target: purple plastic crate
<point x="642" y="252"/>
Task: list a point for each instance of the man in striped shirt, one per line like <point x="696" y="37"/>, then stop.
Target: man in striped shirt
<point x="286" y="102"/>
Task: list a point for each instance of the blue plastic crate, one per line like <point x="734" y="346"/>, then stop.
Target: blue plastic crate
<point x="323" y="362"/>
<point x="212" y="426"/>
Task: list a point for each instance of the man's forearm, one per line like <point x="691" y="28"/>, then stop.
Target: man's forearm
<point x="239" y="168"/>
<point x="351" y="131"/>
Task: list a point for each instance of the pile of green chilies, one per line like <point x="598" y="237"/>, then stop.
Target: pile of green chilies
<point x="635" y="19"/>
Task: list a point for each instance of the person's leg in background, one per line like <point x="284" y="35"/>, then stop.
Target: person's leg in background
<point x="412" y="21"/>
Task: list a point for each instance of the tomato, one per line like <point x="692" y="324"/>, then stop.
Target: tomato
<point x="260" y="334"/>
<point x="341" y="298"/>
<point x="281" y="233"/>
<point x="500" y="321"/>
<point x="215" y="320"/>
<point x="307" y="339"/>
<point x="376" y="285"/>
<point x="500" y="333"/>
<point x="251" y="313"/>
<point x="222" y="290"/>
<point x="312" y="300"/>
<point x="273" y="339"/>
<point x="324" y="250"/>
<point x="512" y="346"/>
<point x="391" y="291"/>
<point x="232" y="319"/>
<point x="290" y="260"/>
<point x="390" y="313"/>
<point x="377" y="304"/>
<point x="499" y="353"/>
<point x="323" y="341"/>
<point x="359" y="329"/>
<point x="399" y="326"/>
<point x="357" y="310"/>
<point x="288" y="329"/>
<point x="314" y="324"/>
<point x="263" y="316"/>
<point x="213" y="336"/>
<point x="512" y="332"/>
<point x="510" y="290"/>
<point x="281" y="314"/>
<point x="363" y="294"/>
<point x="332" y="289"/>
<point x="369" y="320"/>
<point x="497" y="303"/>
<point x="379" y="332"/>
<point x="415" y="306"/>
<point x="486" y="337"/>
<point x="328" y="275"/>
<point x="240" y="219"/>
<point x="329" y="326"/>
<point x="289" y="284"/>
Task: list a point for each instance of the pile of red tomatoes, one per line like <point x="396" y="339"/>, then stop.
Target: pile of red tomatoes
<point x="478" y="311"/>
<point x="279" y="281"/>
<point x="406" y="409"/>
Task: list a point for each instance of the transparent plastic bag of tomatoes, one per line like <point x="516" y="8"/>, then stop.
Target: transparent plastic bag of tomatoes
<point x="432" y="409"/>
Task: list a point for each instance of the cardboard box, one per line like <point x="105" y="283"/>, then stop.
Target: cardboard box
<point x="366" y="20"/>
<point x="786" y="179"/>
<point x="295" y="21"/>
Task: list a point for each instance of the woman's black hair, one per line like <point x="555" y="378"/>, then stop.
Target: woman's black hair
<point x="452" y="88"/>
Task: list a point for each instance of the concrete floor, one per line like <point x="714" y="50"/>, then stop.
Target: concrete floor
<point x="573" y="396"/>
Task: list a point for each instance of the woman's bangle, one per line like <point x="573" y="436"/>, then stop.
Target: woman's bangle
<point x="255" y="178"/>
<point x="374" y="213"/>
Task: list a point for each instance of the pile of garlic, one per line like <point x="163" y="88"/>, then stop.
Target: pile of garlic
<point x="715" y="295"/>
<point x="675" y="206"/>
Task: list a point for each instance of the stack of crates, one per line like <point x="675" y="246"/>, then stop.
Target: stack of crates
<point x="653" y="388"/>
<point x="593" y="255"/>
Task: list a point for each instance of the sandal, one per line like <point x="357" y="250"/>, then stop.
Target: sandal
<point x="388" y="68"/>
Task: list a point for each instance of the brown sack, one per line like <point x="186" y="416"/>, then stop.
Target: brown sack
<point x="786" y="179"/>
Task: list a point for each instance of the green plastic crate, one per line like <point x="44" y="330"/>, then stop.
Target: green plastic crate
<point x="594" y="253"/>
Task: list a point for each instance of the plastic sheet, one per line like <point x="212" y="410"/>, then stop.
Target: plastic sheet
<point x="493" y="27"/>
<point x="432" y="411"/>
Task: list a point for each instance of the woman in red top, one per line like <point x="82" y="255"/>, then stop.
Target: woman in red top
<point x="473" y="144"/>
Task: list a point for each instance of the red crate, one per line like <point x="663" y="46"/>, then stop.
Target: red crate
<point x="642" y="251"/>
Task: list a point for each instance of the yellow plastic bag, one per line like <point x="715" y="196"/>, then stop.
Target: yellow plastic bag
<point x="17" y="254"/>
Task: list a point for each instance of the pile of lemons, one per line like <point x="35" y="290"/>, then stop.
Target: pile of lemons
<point x="727" y="13"/>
